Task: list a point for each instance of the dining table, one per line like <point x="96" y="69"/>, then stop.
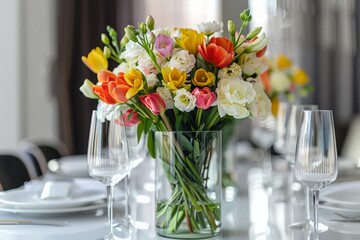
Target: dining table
<point x="249" y="209"/>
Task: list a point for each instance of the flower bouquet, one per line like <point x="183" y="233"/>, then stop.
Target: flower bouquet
<point x="284" y="79"/>
<point x="183" y="86"/>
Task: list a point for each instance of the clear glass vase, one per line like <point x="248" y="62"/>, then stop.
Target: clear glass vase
<point x="188" y="184"/>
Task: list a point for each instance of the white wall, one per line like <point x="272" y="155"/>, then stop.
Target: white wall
<point x="27" y="49"/>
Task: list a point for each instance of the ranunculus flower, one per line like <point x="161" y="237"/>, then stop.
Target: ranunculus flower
<point x="173" y="78"/>
<point x="203" y="78"/>
<point x="166" y="96"/>
<point x="154" y="102"/>
<point x="260" y="107"/>
<point x="184" y="101"/>
<point x="96" y="60"/>
<point x="204" y="97"/>
<point x="232" y="95"/>
<point x="183" y="61"/>
<point x="189" y="40"/>
<point x="219" y="51"/>
<point x="130" y="117"/>
<point x="164" y="44"/>
<point x="252" y="64"/>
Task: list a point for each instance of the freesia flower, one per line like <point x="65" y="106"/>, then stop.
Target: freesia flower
<point x="134" y="80"/>
<point x="183" y="61"/>
<point x="189" y="40"/>
<point x="203" y="78"/>
<point x="164" y="44"/>
<point x="283" y="62"/>
<point x="300" y="77"/>
<point x="153" y="102"/>
<point x="233" y="95"/>
<point x="258" y="45"/>
<point x="219" y="51"/>
<point x="173" y="78"/>
<point x="96" y="60"/>
<point x="184" y="101"/>
<point x="204" y="97"/>
<point x="208" y="28"/>
<point x="86" y="89"/>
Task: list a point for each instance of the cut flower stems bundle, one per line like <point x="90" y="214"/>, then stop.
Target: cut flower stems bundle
<point x="182" y="80"/>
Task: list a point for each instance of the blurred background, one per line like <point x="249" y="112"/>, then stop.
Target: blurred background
<point x="42" y="42"/>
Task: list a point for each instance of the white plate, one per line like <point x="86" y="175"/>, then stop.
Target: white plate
<point x="344" y="195"/>
<point x="44" y="211"/>
<point x="84" y="191"/>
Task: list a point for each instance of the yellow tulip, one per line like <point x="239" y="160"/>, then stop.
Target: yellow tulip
<point x="189" y="40"/>
<point x="96" y="60"/>
<point x="301" y="77"/>
<point x="283" y="62"/>
<point x="173" y="78"/>
<point x="203" y="78"/>
<point x="134" y="81"/>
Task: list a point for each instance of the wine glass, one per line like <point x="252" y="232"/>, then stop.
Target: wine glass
<point x="290" y="139"/>
<point x="315" y="155"/>
<point x="108" y="160"/>
<point x="282" y="120"/>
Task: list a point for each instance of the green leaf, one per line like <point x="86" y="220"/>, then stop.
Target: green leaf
<point x="184" y="142"/>
<point x="148" y="123"/>
<point x="140" y="130"/>
<point x="151" y="144"/>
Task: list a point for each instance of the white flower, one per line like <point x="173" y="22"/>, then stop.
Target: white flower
<point x="257" y="44"/>
<point x="279" y="81"/>
<point x="132" y="51"/>
<point x="183" y="61"/>
<point x="252" y="64"/>
<point x="233" y="95"/>
<point x="234" y="70"/>
<point x="106" y="111"/>
<point x="86" y="89"/>
<point x="146" y="65"/>
<point x="242" y="47"/>
<point x="124" y="67"/>
<point x="260" y="107"/>
<point x="184" y="100"/>
<point x="209" y="28"/>
<point x="166" y="96"/>
<point x="165" y="31"/>
<point x="151" y="79"/>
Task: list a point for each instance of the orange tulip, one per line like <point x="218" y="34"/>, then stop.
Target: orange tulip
<point x="119" y="88"/>
<point x="219" y="51"/>
<point x="102" y="91"/>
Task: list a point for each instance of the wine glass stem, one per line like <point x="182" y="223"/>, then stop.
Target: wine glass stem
<point x="316" y="217"/>
<point x="307" y="202"/>
<point x="127" y="198"/>
<point x="110" y="201"/>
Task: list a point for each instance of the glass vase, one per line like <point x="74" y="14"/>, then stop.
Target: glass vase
<point x="188" y="184"/>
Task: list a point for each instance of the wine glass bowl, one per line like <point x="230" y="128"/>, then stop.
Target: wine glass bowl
<point x="108" y="160"/>
<point x="316" y="155"/>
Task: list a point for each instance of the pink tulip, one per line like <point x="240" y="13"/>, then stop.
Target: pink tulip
<point x="163" y="45"/>
<point x="154" y="102"/>
<point x="204" y="97"/>
<point x="133" y="120"/>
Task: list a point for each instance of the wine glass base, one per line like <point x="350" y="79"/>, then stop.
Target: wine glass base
<point x="308" y="225"/>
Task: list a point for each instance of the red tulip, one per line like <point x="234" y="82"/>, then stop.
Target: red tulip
<point x="219" y="51"/>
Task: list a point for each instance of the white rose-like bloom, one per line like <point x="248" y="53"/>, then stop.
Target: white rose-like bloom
<point x="279" y="81"/>
<point x="124" y="67"/>
<point x="234" y="70"/>
<point x="166" y="96"/>
<point x="184" y="100"/>
<point x="252" y="64"/>
<point x="183" y="61"/>
<point x="151" y="79"/>
<point x="132" y="51"/>
<point x="209" y="28"/>
<point x="146" y="65"/>
<point x="260" y="107"/>
<point x="232" y="95"/>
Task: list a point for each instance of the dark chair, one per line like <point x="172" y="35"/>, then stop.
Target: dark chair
<point x="15" y="170"/>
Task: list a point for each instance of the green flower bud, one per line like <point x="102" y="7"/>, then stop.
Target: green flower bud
<point x="253" y="33"/>
<point x="113" y="33"/>
<point x="104" y="39"/>
<point x="245" y="16"/>
<point x="150" y="22"/>
<point x="130" y="33"/>
<point x="124" y="41"/>
<point x="231" y="28"/>
<point x="152" y="38"/>
<point x="142" y="28"/>
<point x="107" y="52"/>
